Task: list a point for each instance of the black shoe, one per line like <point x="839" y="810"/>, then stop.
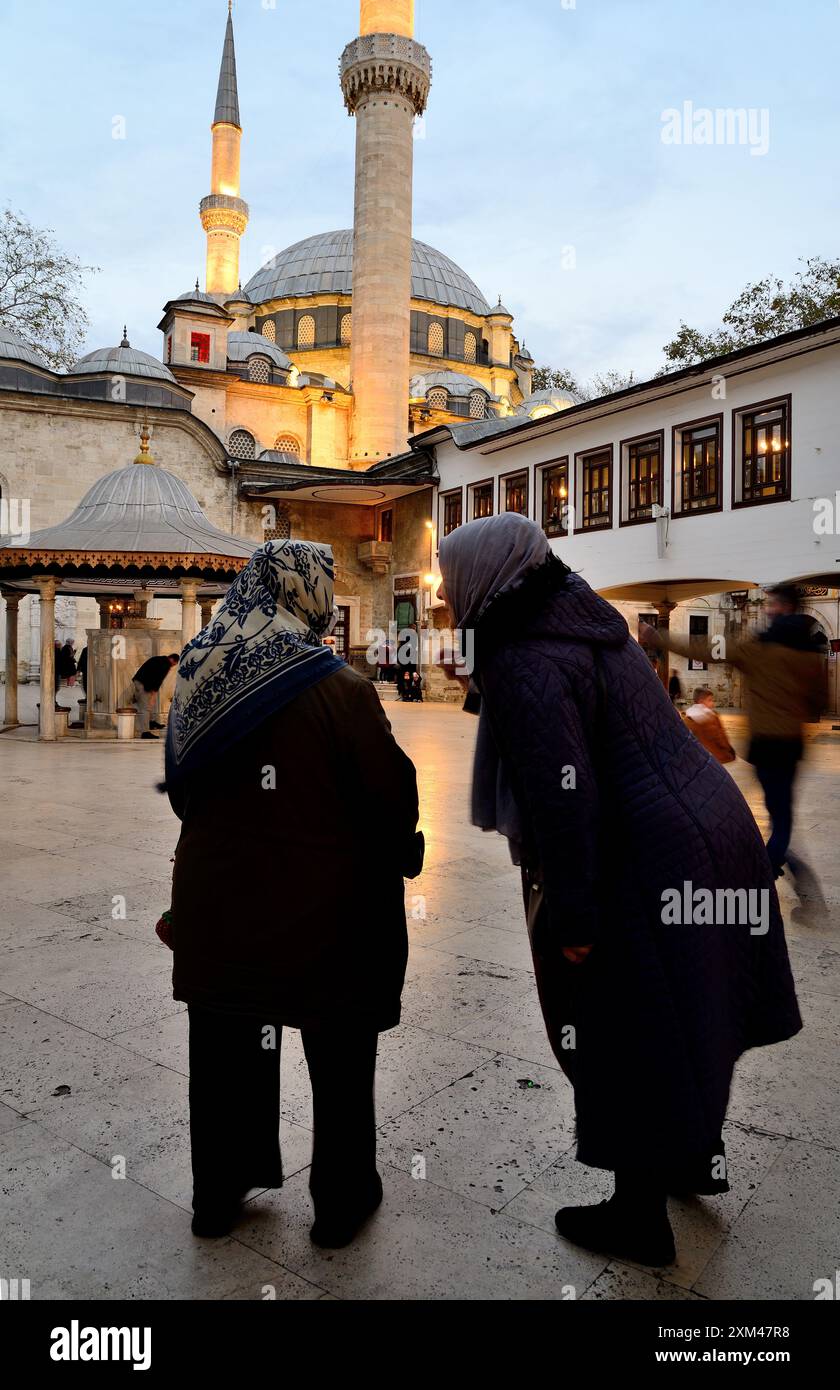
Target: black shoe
<point x="154" y="725"/>
<point x="212" y="1222"/>
<point x="334" y="1227"/>
<point x="608" y="1229"/>
<point x="148" y="735"/>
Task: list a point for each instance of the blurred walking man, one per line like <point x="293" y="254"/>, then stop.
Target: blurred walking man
<point x="147" y="682"/>
<point x="784" y="676"/>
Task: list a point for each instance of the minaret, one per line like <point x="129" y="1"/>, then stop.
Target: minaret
<point x="224" y="216"/>
<point x="385" y="79"/>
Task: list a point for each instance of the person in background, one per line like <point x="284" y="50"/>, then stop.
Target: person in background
<point x="82" y="669"/>
<point x="66" y="664"/>
<point x="57" y="659"/>
<point x="785" y="687"/>
<point x="707" y="725"/>
<point x="294" y="799"/>
<point x="405" y="685"/>
<point x="674" y="688"/>
<point x="147" y="683"/>
<point x="584" y="765"/>
<point x="417" y="688"/>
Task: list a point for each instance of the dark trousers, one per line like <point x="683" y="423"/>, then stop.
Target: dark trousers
<point x="235" y="1107"/>
<point x="775" y="762"/>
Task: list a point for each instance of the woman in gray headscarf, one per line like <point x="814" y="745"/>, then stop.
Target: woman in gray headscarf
<point x="614" y="810"/>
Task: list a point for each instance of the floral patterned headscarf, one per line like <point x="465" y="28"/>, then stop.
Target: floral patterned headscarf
<point x="263" y="647"/>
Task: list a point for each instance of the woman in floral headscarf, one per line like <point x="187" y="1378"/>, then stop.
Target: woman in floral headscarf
<point x="299" y="815"/>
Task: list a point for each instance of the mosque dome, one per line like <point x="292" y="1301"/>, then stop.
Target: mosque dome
<point x="123" y="360"/>
<point x="241" y="346"/>
<point x="547" y="402"/>
<point x="324" y="265"/>
<point x="14" y="348"/>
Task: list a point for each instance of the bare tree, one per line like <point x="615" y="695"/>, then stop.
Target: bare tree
<point x="39" y="290"/>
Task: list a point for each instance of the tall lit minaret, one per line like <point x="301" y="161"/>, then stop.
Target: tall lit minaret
<point x="385" y="79"/>
<point x="224" y="216"/>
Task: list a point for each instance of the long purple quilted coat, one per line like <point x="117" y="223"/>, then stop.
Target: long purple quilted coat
<point x="660" y="1012"/>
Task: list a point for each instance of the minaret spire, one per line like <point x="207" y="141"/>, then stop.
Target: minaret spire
<point x="385" y="79"/>
<point x="224" y="215"/>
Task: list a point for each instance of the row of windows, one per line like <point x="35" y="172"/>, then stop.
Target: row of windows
<point x="436" y="342"/>
<point x="243" y="445"/>
<point x="761" y="472"/>
<point x="306" y="334"/>
<point x="437" y="398"/>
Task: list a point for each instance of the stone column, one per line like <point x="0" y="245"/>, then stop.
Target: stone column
<point x="664" y="610"/>
<point x="385" y="79"/>
<point x="189" y="609"/>
<point x="104" y="611"/>
<point x="206" y="605"/>
<point x="46" y="589"/>
<point x="12" y="597"/>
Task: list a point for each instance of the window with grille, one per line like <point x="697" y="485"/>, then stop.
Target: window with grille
<point x="515" y="493"/>
<point x="259" y="369"/>
<point x="470" y="347"/>
<point x="555" y="498"/>
<point x="643" y="460"/>
<point x="595" y="489"/>
<point x="453" y="511"/>
<point x="765" y="454"/>
<point x="436" y="339"/>
<point x="199" y="347"/>
<point x="346" y="329"/>
<point x="281" y="525"/>
<point x="698" y="467"/>
<point x="482" y="500"/>
<point x="242" y="445"/>
<point x="287" y="444"/>
<point x="269" y="330"/>
<point x="169" y="348"/>
<point x="478" y="405"/>
<point x="306" y="332"/>
<point x="438" y="398"/>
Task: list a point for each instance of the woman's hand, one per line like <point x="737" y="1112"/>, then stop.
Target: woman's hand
<point x="576" y="954"/>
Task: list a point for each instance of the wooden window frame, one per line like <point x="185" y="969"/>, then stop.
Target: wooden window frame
<point x="444" y="497"/>
<point x="202" y="342"/>
<point x="504" y="478"/>
<point x="580" y="492"/>
<point x="624" y="476"/>
<point x="703" y="421"/>
<point x="539" y="494"/>
<point x="758" y="408"/>
<point x="473" y="489"/>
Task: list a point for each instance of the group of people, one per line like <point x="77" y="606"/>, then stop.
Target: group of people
<point x="646" y="1019"/>
<point x="67" y="669"/>
<point x="410" y="686"/>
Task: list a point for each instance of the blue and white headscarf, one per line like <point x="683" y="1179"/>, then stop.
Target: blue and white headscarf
<point x="263" y="647"/>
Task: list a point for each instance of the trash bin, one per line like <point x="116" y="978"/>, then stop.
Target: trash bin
<point x="62" y="720"/>
<point x="126" y="717"/>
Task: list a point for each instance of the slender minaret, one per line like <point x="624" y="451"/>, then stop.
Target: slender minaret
<point x="224" y="216"/>
<point x="385" y="79"/>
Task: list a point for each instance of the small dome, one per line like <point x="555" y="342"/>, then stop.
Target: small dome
<point x="324" y="265"/>
<point x="14" y="348"/>
<point x="547" y="402"/>
<point x="140" y="508"/>
<point x="241" y="346"/>
<point x="122" y="361"/>
<point x="454" y="382"/>
<point x="499" y="309"/>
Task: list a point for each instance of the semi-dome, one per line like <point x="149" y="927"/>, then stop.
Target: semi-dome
<point x="14" y="348"/>
<point x="324" y="265"/>
<point x="455" y="383"/>
<point x="241" y="346"/>
<point x="141" y="509"/>
<point x="123" y="360"/>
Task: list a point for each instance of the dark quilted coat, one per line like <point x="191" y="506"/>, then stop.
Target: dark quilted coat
<point x="660" y="1012"/>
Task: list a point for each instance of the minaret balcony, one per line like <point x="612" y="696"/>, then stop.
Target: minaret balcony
<point x="223" y="211"/>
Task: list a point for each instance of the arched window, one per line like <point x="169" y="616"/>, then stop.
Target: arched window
<point x="346" y="329"/>
<point x="259" y="369"/>
<point x="242" y="445"/>
<point x="436" y="339"/>
<point x="269" y="330"/>
<point x="306" y="332"/>
<point x="470" y="347"/>
<point x="438" y="398"/>
<point x="478" y="405"/>
<point x="287" y="444"/>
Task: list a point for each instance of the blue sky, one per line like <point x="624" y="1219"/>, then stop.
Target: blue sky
<point x="543" y="132"/>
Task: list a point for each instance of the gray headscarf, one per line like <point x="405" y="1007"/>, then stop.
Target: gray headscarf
<point x="478" y="563"/>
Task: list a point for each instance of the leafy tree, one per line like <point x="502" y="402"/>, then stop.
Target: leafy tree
<point x="602" y="384"/>
<point x="762" y="311"/>
<point x="549" y="378"/>
<point x="39" y="290"/>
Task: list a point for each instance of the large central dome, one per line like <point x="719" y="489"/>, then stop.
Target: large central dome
<point x="324" y="265"/>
